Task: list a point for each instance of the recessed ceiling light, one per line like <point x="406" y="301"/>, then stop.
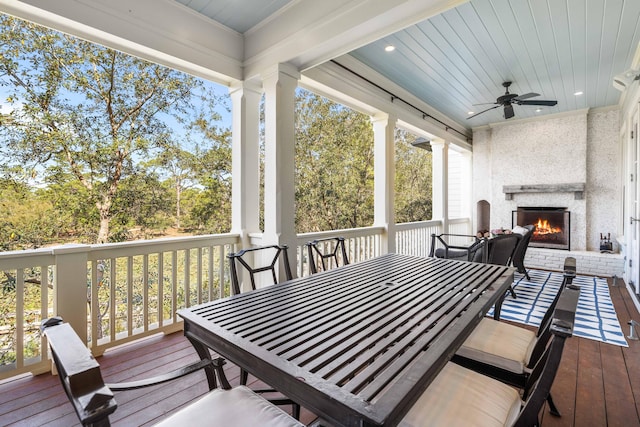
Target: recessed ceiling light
<point x="470" y="112"/>
<point x="538" y="110"/>
<point x="578" y="93"/>
<point x="389" y="48"/>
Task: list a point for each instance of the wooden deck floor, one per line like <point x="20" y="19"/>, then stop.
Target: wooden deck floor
<point x="597" y="385"/>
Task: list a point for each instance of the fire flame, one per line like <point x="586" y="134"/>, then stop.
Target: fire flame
<point x="543" y="227"/>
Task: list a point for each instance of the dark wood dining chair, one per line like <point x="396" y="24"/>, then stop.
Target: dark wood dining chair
<point x="441" y="246"/>
<point x="461" y="396"/>
<point x="93" y="400"/>
<point x="330" y="251"/>
<point x="508" y="352"/>
<point x="498" y="250"/>
<point x="273" y="253"/>
<point x="521" y="249"/>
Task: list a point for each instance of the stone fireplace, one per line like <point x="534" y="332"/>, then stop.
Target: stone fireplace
<point x="566" y="160"/>
<point x="559" y="161"/>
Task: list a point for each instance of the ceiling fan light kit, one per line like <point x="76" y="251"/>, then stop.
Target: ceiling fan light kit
<point x="509" y="99"/>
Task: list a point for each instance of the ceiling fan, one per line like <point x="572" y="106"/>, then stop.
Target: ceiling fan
<point x="508" y="99"/>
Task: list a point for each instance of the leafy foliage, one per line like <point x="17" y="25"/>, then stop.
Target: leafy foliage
<point x="334" y="169"/>
<point x="413" y="180"/>
<point x="86" y="112"/>
<point x="26" y="219"/>
<point x="334" y="166"/>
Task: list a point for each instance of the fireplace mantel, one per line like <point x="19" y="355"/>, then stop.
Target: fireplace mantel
<point x="576" y="188"/>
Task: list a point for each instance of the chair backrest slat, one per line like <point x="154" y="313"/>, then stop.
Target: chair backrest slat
<point x="280" y="251"/>
<point x="501" y="248"/>
<point x="318" y="249"/>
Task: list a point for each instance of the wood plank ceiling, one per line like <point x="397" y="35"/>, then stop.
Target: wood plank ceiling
<point x="460" y="58"/>
<point x="554" y="48"/>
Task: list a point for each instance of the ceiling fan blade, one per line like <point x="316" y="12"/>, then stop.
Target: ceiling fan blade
<point x="484" y="103"/>
<point x="508" y="111"/>
<point x="483" y="111"/>
<point x="526" y="96"/>
<point x="538" y="102"/>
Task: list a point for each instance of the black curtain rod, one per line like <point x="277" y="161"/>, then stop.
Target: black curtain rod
<point x="447" y="128"/>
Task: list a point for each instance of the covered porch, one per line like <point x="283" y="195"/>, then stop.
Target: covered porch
<point x="590" y="146"/>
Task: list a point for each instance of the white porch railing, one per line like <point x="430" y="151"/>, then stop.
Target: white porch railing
<point x="460" y="226"/>
<point x="414" y="238"/>
<point x="137" y="287"/>
<point x="131" y="290"/>
<point x="24" y="274"/>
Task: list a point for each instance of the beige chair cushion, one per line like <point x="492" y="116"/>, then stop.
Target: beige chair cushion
<point x="499" y="344"/>
<point x="238" y="407"/>
<point x="461" y="397"/>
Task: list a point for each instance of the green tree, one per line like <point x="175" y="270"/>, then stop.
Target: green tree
<point x="77" y="220"/>
<point x="179" y="165"/>
<point x="142" y="206"/>
<point x="210" y="211"/>
<point x="334" y="165"/>
<point x="85" y="111"/>
<point x="26" y="220"/>
<point x="413" y="180"/>
<point x="205" y="168"/>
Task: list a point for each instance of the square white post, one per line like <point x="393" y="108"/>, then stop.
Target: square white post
<point x="245" y="199"/>
<point x="384" y="179"/>
<point x="280" y="85"/>
<point x="71" y="286"/>
<point x="440" y="187"/>
<point x="245" y="188"/>
<point x="467" y="182"/>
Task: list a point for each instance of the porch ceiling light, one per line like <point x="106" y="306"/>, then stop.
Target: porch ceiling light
<point x="578" y="93"/>
<point x="389" y="48"/>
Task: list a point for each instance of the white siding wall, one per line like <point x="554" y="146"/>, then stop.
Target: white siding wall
<point x="455" y="185"/>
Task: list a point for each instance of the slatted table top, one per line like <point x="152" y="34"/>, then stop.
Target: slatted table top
<point x="356" y="345"/>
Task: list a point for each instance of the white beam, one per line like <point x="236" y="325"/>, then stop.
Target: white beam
<point x="310" y="32"/>
<point x="163" y="31"/>
<point x="335" y="80"/>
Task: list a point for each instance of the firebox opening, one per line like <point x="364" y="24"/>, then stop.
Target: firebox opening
<point x="553" y="226"/>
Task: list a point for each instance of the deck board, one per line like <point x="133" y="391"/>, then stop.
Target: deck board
<point x="597" y="384"/>
<point x="590" y="411"/>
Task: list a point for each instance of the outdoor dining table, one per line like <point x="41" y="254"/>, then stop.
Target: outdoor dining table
<point x="356" y="345"/>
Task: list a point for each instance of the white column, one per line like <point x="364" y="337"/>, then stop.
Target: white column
<point x="280" y="84"/>
<point x="70" y="294"/>
<point x="245" y="199"/>
<point x="466" y="184"/>
<point x="440" y="197"/>
<point x="384" y="179"/>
